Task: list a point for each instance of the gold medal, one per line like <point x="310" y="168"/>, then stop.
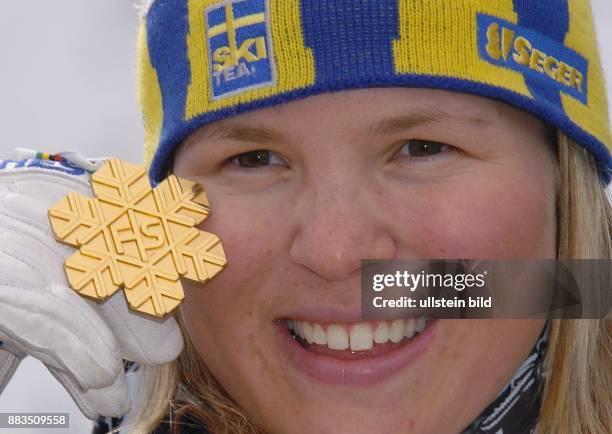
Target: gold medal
<point x="137" y="238"/>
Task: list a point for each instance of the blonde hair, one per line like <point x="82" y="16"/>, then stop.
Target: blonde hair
<point x="578" y="379"/>
<point x="577" y="398"/>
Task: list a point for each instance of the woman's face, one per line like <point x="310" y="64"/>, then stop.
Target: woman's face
<point x="301" y="192"/>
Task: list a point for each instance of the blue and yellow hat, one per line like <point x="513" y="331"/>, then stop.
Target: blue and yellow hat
<point x="205" y="60"/>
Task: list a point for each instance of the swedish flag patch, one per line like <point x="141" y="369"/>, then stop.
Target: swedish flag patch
<point x="239" y="47"/>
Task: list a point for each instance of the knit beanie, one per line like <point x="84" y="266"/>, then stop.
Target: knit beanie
<point x="205" y="60"/>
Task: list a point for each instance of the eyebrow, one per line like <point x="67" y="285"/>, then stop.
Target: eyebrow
<point x="425" y="117"/>
<point x="242" y="133"/>
<point x="256" y="134"/>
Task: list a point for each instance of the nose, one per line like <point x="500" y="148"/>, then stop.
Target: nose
<point x="337" y="228"/>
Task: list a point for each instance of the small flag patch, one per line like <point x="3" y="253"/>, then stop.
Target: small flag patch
<point x="239" y="46"/>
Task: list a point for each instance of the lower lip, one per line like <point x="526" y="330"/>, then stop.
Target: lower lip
<point x="357" y="372"/>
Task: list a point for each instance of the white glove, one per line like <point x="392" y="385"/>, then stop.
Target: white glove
<point x="81" y="342"/>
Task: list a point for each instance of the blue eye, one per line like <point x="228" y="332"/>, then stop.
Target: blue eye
<point x="258" y="158"/>
<point x="423" y="148"/>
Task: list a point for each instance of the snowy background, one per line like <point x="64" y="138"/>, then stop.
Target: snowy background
<point x="67" y="80"/>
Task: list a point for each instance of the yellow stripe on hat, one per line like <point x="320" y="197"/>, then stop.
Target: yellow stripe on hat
<point x="423" y="48"/>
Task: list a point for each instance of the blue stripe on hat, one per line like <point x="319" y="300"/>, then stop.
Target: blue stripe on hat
<point x="173" y="71"/>
<point x="368" y="27"/>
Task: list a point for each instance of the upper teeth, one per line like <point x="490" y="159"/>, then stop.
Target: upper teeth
<point x="357" y="337"/>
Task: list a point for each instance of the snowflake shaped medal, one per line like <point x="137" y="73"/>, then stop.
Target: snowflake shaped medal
<point x="137" y="238"/>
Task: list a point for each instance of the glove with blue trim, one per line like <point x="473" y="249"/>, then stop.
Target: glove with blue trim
<point x="82" y="343"/>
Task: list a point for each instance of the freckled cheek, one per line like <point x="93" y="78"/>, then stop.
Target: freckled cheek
<point x="512" y="224"/>
<point x="249" y="238"/>
<point x="227" y="317"/>
<point x="222" y="309"/>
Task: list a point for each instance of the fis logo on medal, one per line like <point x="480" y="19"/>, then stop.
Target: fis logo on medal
<point x="239" y="46"/>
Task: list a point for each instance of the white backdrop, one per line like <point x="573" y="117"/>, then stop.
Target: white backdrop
<point x="67" y="82"/>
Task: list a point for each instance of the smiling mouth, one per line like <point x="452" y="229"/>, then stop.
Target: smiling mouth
<point x="349" y="341"/>
<point x="360" y="354"/>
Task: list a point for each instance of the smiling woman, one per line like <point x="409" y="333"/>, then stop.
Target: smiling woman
<point x="325" y="159"/>
<point x="347" y="189"/>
